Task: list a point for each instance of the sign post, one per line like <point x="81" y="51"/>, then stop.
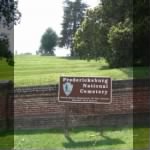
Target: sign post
<point x="66" y="119"/>
<point x="96" y="90"/>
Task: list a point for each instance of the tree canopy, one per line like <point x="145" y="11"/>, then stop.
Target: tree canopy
<point x="9" y="13"/>
<point x="73" y="16"/>
<point x="117" y="31"/>
<point x="9" y="16"/>
<point x="48" y="42"/>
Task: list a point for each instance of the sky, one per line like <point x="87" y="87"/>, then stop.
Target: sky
<point x="37" y="16"/>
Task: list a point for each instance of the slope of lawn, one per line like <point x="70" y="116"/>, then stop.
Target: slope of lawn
<point x="41" y="70"/>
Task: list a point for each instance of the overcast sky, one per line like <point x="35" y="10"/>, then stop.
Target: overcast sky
<point x="37" y="16"/>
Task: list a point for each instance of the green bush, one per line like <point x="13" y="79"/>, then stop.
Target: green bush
<point x="121" y="40"/>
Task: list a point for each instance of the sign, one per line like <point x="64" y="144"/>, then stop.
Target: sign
<point x="85" y="90"/>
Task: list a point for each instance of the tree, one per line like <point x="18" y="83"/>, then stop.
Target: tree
<point x="141" y="32"/>
<point x="120" y="38"/>
<point x="48" y="42"/>
<point x="9" y="16"/>
<point x="9" y="13"/>
<point x="90" y="40"/>
<point x="84" y="42"/>
<point x="73" y="16"/>
<point x="138" y="14"/>
<point x="122" y="33"/>
<point x="107" y="32"/>
<point x="4" y="44"/>
<point x="119" y="17"/>
<point x="4" y="50"/>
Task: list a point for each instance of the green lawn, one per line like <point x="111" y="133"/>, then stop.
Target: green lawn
<point x="6" y="71"/>
<point x="6" y="140"/>
<point x="42" y="70"/>
<point x="79" y="138"/>
<point x="141" y="138"/>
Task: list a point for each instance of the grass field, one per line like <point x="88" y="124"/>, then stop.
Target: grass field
<point x="79" y="138"/>
<point x="42" y="70"/>
<point x="6" y="71"/>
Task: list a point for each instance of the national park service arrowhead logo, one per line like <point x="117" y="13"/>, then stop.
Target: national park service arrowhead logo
<point x="67" y="87"/>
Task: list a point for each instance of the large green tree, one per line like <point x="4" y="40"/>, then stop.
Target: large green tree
<point x="119" y="17"/>
<point x="90" y="40"/>
<point x="120" y="38"/>
<point x="48" y="42"/>
<point x="138" y="15"/>
<point x="73" y="16"/>
<point x="105" y="33"/>
<point x="117" y="30"/>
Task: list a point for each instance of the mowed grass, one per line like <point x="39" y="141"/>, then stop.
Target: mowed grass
<point x="6" y="140"/>
<point x="6" y="71"/>
<point x="42" y="70"/>
<point x="141" y="138"/>
<point x="80" y="138"/>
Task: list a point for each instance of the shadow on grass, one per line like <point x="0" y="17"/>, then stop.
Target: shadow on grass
<point x="6" y="133"/>
<point x="84" y="144"/>
<point x="95" y="129"/>
<point x="127" y="71"/>
<point x="6" y="140"/>
<point x="61" y="130"/>
<point x="104" y="67"/>
<point x="70" y="58"/>
<point x="136" y="72"/>
<point x="41" y="131"/>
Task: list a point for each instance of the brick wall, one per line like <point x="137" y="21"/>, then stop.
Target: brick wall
<point x="6" y="105"/>
<point x="37" y="107"/>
